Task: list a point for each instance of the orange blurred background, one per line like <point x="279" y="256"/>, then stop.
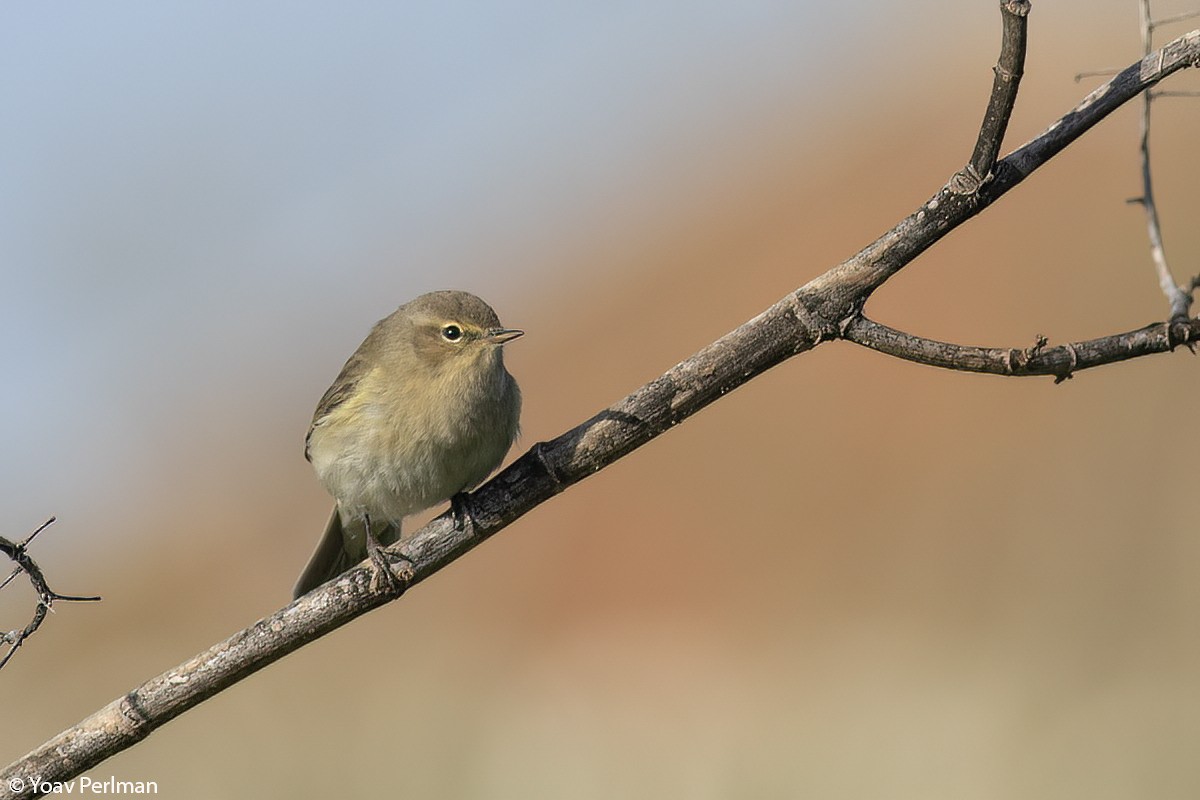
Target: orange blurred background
<point x="853" y="577"/>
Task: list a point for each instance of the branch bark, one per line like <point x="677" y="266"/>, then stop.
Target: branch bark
<point x="822" y="310"/>
<point x="1008" y="71"/>
<point x="1061" y="361"/>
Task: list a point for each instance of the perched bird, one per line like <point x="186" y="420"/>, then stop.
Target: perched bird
<point x="422" y="411"/>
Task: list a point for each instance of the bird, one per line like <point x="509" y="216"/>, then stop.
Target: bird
<point x="423" y="411"/>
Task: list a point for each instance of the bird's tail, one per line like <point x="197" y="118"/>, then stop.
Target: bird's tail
<point x="338" y="552"/>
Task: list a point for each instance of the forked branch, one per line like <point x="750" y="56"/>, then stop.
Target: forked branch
<point x="18" y="553"/>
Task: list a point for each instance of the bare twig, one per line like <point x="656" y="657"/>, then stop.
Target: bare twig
<point x="1179" y="297"/>
<point x="1010" y="66"/>
<point x="1096" y="73"/>
<point x="800" y="321"/>
<point x="1156" y="23"/>
<point x="1062" y="361"/>
<point x="19" y="553"/>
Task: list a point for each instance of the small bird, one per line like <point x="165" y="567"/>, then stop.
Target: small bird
<point x="422" y="411"/>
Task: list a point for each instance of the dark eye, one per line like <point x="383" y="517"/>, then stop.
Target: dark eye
<point x="451" y="333"/>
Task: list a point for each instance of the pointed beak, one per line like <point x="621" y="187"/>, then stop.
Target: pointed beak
<point x="502" y="335"/>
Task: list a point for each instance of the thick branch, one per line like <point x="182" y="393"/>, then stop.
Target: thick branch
<point x="1061" y="361"/>
<point x="796" y="323"/>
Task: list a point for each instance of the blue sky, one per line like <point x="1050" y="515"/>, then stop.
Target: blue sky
<point x="187" y="188"/>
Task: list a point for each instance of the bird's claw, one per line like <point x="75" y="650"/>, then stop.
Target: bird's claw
<point x="460" y="508"/>
<point x="383" y="576"/>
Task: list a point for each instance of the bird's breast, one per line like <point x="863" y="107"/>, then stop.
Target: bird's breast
<point x="394" y="449"/>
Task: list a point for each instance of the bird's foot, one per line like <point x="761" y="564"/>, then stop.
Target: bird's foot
<point x="391" y="580"/>
<point x="460" y="508"/>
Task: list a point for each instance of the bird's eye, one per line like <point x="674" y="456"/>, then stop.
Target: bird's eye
<point x="451" y="333"/>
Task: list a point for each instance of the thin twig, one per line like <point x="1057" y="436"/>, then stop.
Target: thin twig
<point x="1061" y="361"/>
<point x="1096" y="73"/>
<point x="1178" y="297"/>
<point x="19" y="553"/>
<point x="1156" y="23"/>
<point x="1010" y="66"/>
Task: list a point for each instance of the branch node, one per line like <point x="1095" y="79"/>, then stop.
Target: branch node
<point x="1018" y="8"/>
<point x="852" y="316"/>
<point x="1067" y="373"/>
<point x="1179" y="332"/>
<point x="966" y="181"/>
<point x="1011" y="359"/>
<point x="1005" y="74"/>
<point x="539" y="453"/>
<point x="1039" y="344"/>
<point x="131" y="711"/>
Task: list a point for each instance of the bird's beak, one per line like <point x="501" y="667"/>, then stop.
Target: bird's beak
<point x="502" y="335"/>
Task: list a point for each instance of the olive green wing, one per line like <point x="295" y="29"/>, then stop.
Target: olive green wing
<point x="341" y="390"/>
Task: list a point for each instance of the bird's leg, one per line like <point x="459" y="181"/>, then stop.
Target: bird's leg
<point x="383" y="567"/>
<point x="460" y="507"/>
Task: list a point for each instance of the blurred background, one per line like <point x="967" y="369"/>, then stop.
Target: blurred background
<point x="853" y="577"/>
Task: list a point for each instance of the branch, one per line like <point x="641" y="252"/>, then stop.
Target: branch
<point x="1179" y="297"/>
<point x="1155" y="23"/>
<point x="1008" y="71"/>
<point x="834" y="293"/>
<point x="1062" y="361"/>
<point x="1095" y="73"/>
<point x="798" y="322"/>
<point x="19" y="554"/>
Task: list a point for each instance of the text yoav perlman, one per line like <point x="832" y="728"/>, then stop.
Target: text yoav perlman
<point x="83" y="785"/>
